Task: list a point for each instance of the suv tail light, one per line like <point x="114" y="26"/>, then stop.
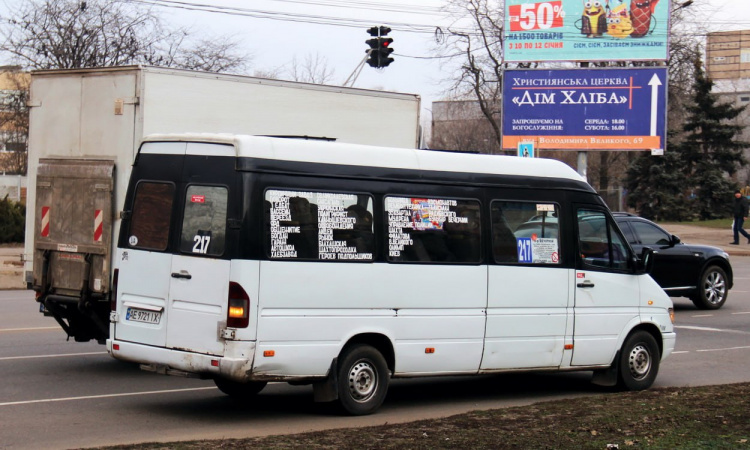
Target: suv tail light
<point x="238" y="312"/>
<point x="113" y="291"/>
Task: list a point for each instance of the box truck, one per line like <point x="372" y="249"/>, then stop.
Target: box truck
<point x="85" y="129"/>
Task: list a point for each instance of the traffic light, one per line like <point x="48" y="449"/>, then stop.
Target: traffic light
<point x="380" y="47"/>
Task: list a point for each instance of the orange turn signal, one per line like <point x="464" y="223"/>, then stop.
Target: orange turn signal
<point x="237" y="312"/>
<point x="269" y="353"/>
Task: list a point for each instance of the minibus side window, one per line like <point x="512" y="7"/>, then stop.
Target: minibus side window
<point x="525" y="232"/>
<point x="205" y="220"/>
<point x="324" y="226"/>
<point x="152" y="212"/>
<point x="433" y="230"/>
<point x="601" y="245"/>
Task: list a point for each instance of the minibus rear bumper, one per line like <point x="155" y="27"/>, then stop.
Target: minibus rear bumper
<point x="234" y="365"/>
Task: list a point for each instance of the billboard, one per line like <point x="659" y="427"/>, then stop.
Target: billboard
<point x="585" y="109"/>
<point x="586" y="30"/>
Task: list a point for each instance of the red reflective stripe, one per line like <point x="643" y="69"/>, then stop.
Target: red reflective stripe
<point x="98" y="225"/>
<point x="45" y="221"/>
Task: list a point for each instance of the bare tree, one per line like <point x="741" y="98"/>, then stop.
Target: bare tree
<point x="479" y="75"/>
<point x="313" y="69"/>
<point x="685" y="48"/>
<point x="64" y="34"/>
<point x="14" y="119"/>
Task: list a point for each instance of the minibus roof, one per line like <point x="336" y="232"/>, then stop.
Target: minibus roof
<point x="316" y="151"/>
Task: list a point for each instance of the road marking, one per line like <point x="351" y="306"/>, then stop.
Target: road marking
<point x="703" y="315"/>
<point x="8" y="358"/>
<point x="90" y="397"/>
<point x="719" y="330"/>
<point x="680" y="352"/>
<point x="28" y="329"/>
<point x="723" y="349"/>
<point x="688" y="327"/>
<point x="738" y="313"/>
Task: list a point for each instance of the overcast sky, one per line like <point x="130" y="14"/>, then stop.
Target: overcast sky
<point x="277" y="31"/>
<point x="336" y="30"/>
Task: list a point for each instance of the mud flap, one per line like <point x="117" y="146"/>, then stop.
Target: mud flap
<point x="607" y="377"/>
<point x="326" y="390"/>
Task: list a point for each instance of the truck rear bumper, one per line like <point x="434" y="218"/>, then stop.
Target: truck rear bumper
<point x="184" y="363"/>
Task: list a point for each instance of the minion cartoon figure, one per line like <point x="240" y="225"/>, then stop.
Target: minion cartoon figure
<point x="594" y="20"/>
<point x="619" y="24"/>
<point x="640" y="13"/>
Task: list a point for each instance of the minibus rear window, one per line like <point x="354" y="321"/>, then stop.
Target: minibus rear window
<point x="204" y="221"/>
<point x="424" y="229"/>
<point x="323" y="226"/>
<point x="525" y="232"/>
<point x="152" y="211"/>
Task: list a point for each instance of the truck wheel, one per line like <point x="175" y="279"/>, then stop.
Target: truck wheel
<point x="242" y="391"/>
<point x="363" y="379"/>
<point x="712" y="289"/>
<point x="639" y="362"/>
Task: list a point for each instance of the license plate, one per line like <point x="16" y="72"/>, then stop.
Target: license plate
<point x="139" y="315"/>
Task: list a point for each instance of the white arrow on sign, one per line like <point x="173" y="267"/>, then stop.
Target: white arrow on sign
<point x="654" y="83"/>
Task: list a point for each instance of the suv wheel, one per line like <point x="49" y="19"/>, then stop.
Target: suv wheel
<point x="712" y="289"/>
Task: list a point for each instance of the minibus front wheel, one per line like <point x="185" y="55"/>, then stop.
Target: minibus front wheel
<point x="639" y="361"/>
<point x="363" y="379"/>
<point x="241" y="391"/>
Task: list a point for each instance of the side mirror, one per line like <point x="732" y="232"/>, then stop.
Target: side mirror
<point x="645" y="263"/>
<point x="674" y="240"/>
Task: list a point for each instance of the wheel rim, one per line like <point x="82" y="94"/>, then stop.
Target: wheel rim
<point x="363" y="381"/>
<point x="639" y="362"/>
<point x="715" y="288"/>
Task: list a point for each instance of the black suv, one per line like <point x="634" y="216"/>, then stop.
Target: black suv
<point x="699" y="272"/>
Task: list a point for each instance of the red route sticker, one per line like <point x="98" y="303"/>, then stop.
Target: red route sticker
<point x="581" y="275"/>
<point x="198" y="199"/>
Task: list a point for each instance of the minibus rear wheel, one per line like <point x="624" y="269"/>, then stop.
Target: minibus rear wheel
<point x="242" y="391"/>
<point x="639" y="361"/>
<point x="363" y="379"/>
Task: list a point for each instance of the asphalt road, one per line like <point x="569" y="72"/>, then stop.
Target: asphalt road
<point x="58" y="394"/>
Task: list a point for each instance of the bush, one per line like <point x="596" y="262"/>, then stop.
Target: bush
<point x="12" y="221"/>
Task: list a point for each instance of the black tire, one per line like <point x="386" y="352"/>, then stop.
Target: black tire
<point x="639" y="362"/>
<point x="363" y="379"/>
<point x="242" y="391"/>
<point x="713" y="289"/>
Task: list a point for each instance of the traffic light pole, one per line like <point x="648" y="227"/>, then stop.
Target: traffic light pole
<point x="357" y="71"/>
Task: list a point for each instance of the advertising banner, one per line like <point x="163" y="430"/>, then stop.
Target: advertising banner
<point x="586" y="30"/>
<point x="585" y="109"/>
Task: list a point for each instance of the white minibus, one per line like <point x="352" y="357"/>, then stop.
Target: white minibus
<point x="250" y="260"/>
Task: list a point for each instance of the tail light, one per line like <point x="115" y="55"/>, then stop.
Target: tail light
<point x="113" y="291"/>
<point x="238" y="312"/>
